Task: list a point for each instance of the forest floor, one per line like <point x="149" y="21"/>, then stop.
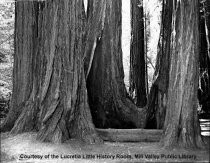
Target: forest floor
<point x="20" y="147"/>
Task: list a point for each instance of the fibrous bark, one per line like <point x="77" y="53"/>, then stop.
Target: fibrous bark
<point x="138" y="73"/>
<point x="58" y="104"/>
<point x="26" y="15"/>
<point x="158" y="92"/>
<point x="109" y="104"/>
<point x="181" y="125"/>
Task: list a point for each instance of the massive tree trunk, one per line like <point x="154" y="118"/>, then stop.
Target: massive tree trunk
<point x="107" y="94"/>
<point x="181" y="125"/>
<point x="137" y="55"/>
<point x="158" y="92"/>
<point x="109" y="104"/>
<point x="57" y="104"/>
<point x="26" y="14"/>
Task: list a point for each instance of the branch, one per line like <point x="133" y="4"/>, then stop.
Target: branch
<point x="150" y="61"/>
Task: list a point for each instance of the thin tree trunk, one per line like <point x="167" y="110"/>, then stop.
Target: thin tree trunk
<point x="181" y="125"/>
<point x="137" y="54"/>
<point x="158" y="92"/>
<point x="107" y="94"/>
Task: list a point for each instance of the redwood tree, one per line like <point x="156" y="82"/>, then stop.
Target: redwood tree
<point x="109" y="102"/>
<point x="49" y="76"/>
<point x="181" y="125"/>
<point x="137" y="54"/>
<point x="158" y="92"/>
<point x="26" y="29"/>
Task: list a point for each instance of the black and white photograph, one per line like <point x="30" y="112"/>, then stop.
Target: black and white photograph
<point x="104" y="81"/>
